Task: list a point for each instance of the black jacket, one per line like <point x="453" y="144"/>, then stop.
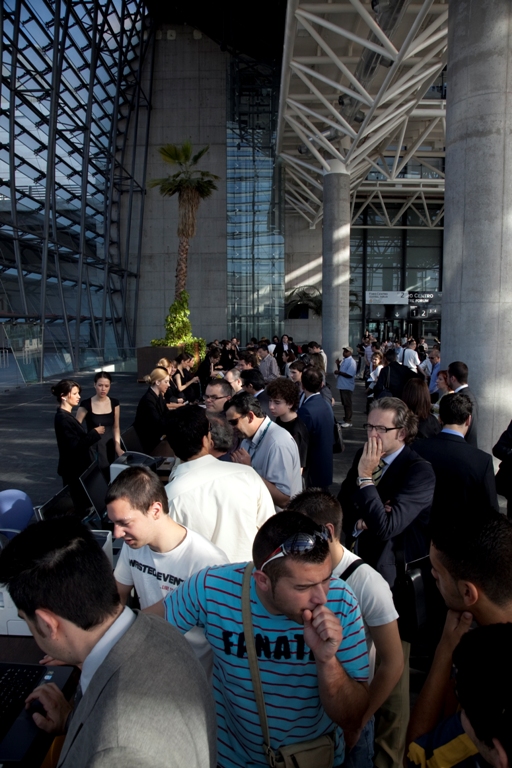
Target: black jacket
<point x="464" y="475"/>
<point x="74" y="444"/>
<point x="393" y="377"/>
<point x="408" y="487"/>
<point x="151" y="420"/>
<point x="471" y="435"/>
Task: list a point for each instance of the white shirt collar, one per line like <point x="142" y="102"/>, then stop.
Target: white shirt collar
<point x="462" y="386"/>
<point x="309" y="397"/>
<point x="104" y="645"/>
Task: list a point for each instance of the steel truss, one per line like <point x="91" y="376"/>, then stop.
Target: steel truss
<point x="365" y="89"/>
<point x="71" y="192"/>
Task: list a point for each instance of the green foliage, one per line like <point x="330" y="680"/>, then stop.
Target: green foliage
<point x="178" y="328"/>
<point x="203" y="182"/>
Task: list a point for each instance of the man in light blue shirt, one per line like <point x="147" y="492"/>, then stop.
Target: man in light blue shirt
<point x="345" y="382"/>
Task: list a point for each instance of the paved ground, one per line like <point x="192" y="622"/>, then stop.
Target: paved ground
<point x="28" y="451"/>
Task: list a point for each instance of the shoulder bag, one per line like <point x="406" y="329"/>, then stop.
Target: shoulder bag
<point x="318" y="753"/>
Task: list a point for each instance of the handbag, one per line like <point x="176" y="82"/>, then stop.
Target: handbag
<point x="421" y="609"/>
<point x="318" y="753"/>
<point x="337" y="443"/>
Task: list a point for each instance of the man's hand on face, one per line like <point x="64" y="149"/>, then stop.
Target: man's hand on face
<point x="241" y="456"/>
<point x="57" y="708"/>
<point x="372" y="454"/>
<point x="456" y="625"/>
<point x="322" y="632"/>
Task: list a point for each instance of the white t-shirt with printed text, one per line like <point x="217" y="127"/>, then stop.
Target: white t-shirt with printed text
<point x="374" y="598"/>
<point x="155" y="574"/>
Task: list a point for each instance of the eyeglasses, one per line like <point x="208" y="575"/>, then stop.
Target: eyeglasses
<point x="216" y="397"/>
<point x="378" y="428"/>
<point x="298" y="544"/>
<point x="234" y="422"/>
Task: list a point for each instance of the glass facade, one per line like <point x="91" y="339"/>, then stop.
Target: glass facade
<point x="71" y="95"/>
<point x="404" y="258"/>
<point x="255" y="242"/>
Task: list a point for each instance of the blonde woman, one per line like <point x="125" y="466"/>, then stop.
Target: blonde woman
<point x="151" y="417"/>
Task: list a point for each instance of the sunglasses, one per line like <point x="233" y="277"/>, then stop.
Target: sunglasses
<point x="298" y="544"/>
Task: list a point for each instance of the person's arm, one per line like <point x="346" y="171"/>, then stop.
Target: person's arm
<point x="75" y="436"/>
<point x="503" y="447"/>
<point x="391" y="665"/>
<point x="117" y="431"/>
<point x="279" y="498"/>
<point x="157" y="609"/>
<point x="179" y="382"/>
<point x="265" y="501"/>
<point x="274" y="371"/>
<point x="490" y="486"/>
<point x="124" y="591"/>
<point x="343" y="698"/>
<point x="430" y="704"/>
<point x="183" y="607"/>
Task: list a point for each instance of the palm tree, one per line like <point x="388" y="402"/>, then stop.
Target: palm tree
<point x="191" y="185"/>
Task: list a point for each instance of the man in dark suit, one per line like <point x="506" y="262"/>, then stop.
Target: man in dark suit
<point x="393" y="377"/>
<point x="254" y="384"/>
<point x="464" y="474"/>
<point x="318" y="416"/>
<point x="458" y="380"/>
<point x="143" y="699"/>
<point x="386" y="499"/>
<point x="388" y="511"/>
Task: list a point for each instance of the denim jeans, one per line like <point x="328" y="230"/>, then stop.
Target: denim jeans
<point x="361" y="756"/>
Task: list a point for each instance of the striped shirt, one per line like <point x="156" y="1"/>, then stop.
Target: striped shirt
<point x="212" y="598"/>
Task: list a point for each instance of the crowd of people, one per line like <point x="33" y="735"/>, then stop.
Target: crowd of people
<point x="288" y="590"/>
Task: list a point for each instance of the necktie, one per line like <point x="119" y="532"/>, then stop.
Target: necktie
<point x="377" y="472"/>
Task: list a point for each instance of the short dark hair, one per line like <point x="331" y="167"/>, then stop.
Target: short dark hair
<point x="183" y="358"/>
<point x="244" y="403"/>
<point x="221" y="432"/>
<point x="250" y="358"/>
<point x="321" y="506"/>
<point x="58" y="565"/>
<point x="225" y="386"/>
<point x="263" y="346"/>
<point x="140" y="487"/>
<point x="486" y="697"/>
<point x="390" y="355"/>
<point x="314" y="344"/>
<point x="253" y="378"/>
<point x="417" y="397"/>
<point x="459" y="371"/>
<point x="64" y="387"/>
<point x="102" y="375"/>
<point x="312" y="379"/>
<point x="274" y="532"/>
<point x="404" y="418"/>
<point x="187" y="428"/>
<point x="297" y="365"/>
<point x="476" y="545"/>
<point x="455" y="409"/>
<point x="286" y="390"/>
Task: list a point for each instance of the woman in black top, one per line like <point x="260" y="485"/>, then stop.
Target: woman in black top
<point x="74" y="443"/>
<point x="283" y="404"/>
<point x="102" y="410"/>
<point x="417" y="397"/>
<point x="151" y="417"/>
<point x="186" y="383"/>
<point x="285" y="345"/>
<point x="172" y="397"/>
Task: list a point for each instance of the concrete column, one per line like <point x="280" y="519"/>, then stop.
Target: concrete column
<point x="477" y="275"/>
<point x="335" y="261"/>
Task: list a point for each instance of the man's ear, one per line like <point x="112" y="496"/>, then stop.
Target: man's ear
<point x="155" y="510"/>
<point x="47" y="622"/>
<point x="468" y="592"/>
<point x="330" y="528"/>
<point x="262" y="581"/>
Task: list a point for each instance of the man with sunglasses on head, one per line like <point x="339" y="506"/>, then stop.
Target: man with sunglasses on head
<point x="386" y="500"/>
<point x="309" y="640"/>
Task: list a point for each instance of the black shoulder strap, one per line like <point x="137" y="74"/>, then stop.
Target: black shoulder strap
<point x="351" y="568"/>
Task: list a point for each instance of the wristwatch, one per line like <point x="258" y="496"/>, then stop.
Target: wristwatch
<point x="361" y="480"/>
